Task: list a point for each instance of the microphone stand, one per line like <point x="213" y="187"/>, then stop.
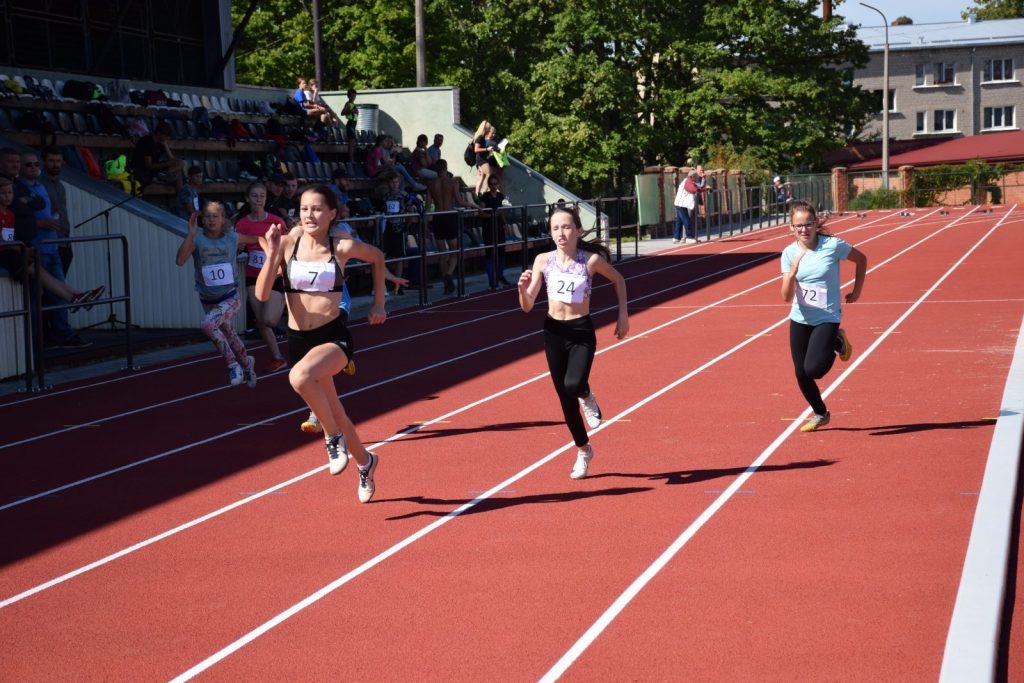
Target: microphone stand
<point x="112" y="319"/>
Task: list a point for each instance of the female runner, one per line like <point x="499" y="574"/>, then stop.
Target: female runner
<point x="810" y="279"/>
<point x="319" y="343"/>
<point x="569" y="338"/>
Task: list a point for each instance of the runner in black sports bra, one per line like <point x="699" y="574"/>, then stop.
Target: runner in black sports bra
<point x="313" y="276"/>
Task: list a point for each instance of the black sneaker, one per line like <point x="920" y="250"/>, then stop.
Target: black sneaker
<point x="74" y="342"/>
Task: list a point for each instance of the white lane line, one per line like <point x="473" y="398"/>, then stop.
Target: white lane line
<point x="216" y="513"/>
<point x="653" y="570"/>
<point x="623" y="600"/>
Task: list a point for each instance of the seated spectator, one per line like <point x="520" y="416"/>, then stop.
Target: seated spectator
<point x="188" y="196"/>
<point x="286" y="203"/>
<point x="34" y="223"/>
<point x="153" y="162"/>
<point x="341" y="185"/>
<point x="422" y="165"/>
<point x="304" y="96"/>
<point x="379" y="159"/>
<point x="435" y="149"/>
<point x="11" y="258"/>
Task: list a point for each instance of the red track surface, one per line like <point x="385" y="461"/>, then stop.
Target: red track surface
<point x="190" y="528"/>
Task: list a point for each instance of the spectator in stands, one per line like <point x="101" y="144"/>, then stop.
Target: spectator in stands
<point x="350" y="113"/>
<point x="304" y="97"/>
<point x="213" y="251"/>
<point x="494" y="234"/>
<point x="483" y="144"/>
<point x="435" y="149"/>
<point x="53" y="162"/>
<point x="10" y="163"/>
<point x="422" y="164"/>
<point x="188" y="196"/>
<point x="275" y="188"/>
<point x="34" y="216"/>
<point x="380" y="160"/>
<point x="286" y="204"/>
<point x="394" y="233"/>
<point x="341" y="184"/>
<point x="12" y="261"/>
<point x="267" y="311"/>
<point x="153" y="162"/>
<point x="443" y="196"/>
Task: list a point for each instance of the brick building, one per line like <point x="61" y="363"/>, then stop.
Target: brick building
<point x="948" y="79"/>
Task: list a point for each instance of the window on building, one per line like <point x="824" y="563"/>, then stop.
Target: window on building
<point x="920" y="74"/>
<point x="997" y="70"/>
<point x="945" y="74"/>
<point x="922" y="122"/>
<point x="998" y="117"/>
<point x="892" y="98"/>
<point x="945" y="120"/>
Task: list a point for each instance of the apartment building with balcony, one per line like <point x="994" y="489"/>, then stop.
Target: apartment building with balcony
<point x="946" y="80"/>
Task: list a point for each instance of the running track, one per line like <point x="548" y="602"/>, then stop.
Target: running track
<point x="163" y="526"/>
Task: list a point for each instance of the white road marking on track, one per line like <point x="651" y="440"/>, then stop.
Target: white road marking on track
<point x="223" y="510"/>
<point x="626" y="597"/>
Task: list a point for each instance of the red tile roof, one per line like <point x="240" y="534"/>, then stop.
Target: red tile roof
<point x="992" y="147"/>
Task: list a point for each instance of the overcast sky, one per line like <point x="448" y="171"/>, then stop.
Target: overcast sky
<point x="921" y="11"/>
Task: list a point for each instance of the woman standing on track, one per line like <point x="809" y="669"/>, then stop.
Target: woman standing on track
<point x="569" y="338"/>
<point x="810" y="279"/>
<point x="213" y="251"/>
<point x="319" y="343"/>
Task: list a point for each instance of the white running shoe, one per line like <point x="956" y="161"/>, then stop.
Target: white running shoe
<point x="591" y="410"/>
<point x="249" y="372"/>
<point x="366" y="485"/>
<point x="337" y="453"/>
<point x="583" y="456"/>
<point x="235" y="375"/>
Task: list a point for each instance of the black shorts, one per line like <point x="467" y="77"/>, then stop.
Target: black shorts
<point x="335" y="332"/>
<point x="445" y="226"/>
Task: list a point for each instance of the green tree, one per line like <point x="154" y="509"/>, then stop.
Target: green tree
<point x="590" y="91"/>
<point x="996" y="9"/>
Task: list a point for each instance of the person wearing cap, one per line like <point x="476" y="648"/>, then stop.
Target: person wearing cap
<point x="782" y="194"/>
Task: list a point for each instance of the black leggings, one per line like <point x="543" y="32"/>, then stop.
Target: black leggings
<point x="814" y="351"/>
<point x="570" y="346"/>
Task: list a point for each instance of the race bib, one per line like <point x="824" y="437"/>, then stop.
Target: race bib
<point x="256" y="258"/>
<point x="392" y="206"/>
<point x="812" y="296"/>
<point x="218" y="274"/>
<point x="7" y="234"/>
<point x="309" y="276"/>
<point x="569" y="288"/>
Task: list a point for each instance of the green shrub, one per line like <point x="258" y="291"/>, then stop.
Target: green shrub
<point x="875" y="199"/>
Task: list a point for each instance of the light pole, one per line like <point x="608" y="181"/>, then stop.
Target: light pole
<point x="885" y="100"/>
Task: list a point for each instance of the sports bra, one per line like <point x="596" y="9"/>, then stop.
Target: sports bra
<point x="571" y="285"/>
<point x="314" y="276"/>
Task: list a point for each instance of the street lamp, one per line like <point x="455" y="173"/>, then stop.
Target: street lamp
<point x="885" y="100"/>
